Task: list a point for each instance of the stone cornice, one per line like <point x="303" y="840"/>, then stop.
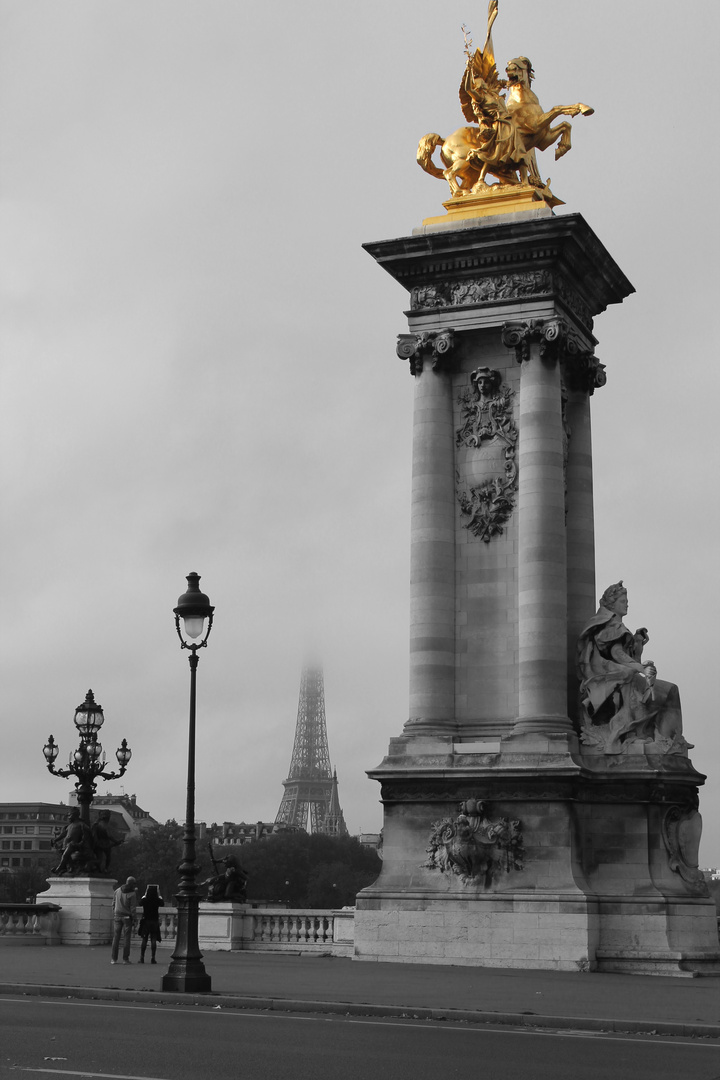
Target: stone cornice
<point x="566" y="245"/>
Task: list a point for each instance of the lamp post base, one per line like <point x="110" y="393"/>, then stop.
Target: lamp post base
<point x="187" y="977"/>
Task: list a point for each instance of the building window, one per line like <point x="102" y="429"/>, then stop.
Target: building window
<point x="6" y="845"/>
<point x="27" y="845"/>
<point x="16" y="845"/>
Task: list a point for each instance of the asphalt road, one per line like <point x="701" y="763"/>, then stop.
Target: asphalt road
<point x="114" y="1041"/>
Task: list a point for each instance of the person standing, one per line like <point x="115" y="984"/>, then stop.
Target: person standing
<point x="149" y="927"/>
<point x="124" y="909"/>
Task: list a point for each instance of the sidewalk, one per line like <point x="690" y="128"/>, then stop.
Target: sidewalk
<point x="588" y="1001"/>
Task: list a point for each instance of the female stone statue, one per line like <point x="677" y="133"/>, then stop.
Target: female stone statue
<point x="621" y="697"/>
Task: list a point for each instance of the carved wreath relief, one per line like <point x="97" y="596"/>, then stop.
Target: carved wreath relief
<point x="489" y="429"/>
<point x="474" y="847"/>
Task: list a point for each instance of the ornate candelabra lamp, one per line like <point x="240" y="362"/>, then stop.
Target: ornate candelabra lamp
<point x="87" y="763"/>
<point x="186" y="973"/>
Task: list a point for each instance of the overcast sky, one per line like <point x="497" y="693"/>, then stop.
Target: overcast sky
<point x="199" y="371"/>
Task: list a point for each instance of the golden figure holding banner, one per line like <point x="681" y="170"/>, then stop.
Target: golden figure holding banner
<point x="511" y="126"/>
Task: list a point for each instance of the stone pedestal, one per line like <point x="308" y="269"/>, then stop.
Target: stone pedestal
<point x="220" y="926"/>
<point x="508" y="842"/>
<point x="87" y="908"/>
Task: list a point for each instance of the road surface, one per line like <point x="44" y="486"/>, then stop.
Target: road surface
<point x="56" y="1038"/>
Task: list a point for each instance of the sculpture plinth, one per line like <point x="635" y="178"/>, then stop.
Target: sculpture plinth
<point x="519" y="829"/>
<point x="87" y="908"/>
<point x="498" y="199"/>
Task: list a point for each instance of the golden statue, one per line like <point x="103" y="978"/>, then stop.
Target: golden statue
<point x="511" y="126"/>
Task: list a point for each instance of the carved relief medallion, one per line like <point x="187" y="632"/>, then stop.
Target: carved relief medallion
<point x="474" y="846"/>
<point x="489" y="434"/>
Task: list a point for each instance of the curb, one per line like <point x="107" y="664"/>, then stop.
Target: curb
<point x="351" y="1008"/>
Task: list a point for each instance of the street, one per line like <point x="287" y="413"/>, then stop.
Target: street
<point x="78" y="1038"/>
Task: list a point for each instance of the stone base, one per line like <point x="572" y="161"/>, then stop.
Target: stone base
<point x="550" y="933"/>
<point x="220" y="926"/>
<point x="87" y="905"/>
<point x="604" y="878"/>
<point x="493" y="200"/>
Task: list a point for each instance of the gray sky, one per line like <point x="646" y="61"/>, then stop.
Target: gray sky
<point x="199" y="370"/>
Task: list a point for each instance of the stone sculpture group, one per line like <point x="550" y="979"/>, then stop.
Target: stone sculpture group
<point x="85" y="849"/>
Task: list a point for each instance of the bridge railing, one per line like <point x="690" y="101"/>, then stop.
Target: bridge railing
<point x="270" y="929"/>
<point x="30" y="924"/>
<point x="221" y="927"/>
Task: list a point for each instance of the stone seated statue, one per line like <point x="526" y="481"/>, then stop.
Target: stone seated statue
<point x="621" y="698"/>
<point x="227" y="884"/>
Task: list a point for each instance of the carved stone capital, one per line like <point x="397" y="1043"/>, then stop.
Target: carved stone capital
<point x="583" y="371"/>
<point x="434" y="345"/>
<point x="548" y="333"/>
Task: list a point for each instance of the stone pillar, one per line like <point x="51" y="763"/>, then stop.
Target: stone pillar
<point x="542" y="544"/>
<point x="582" y="374"/>
<point x="87" y="908"/>
<point x="220" y="926"/>
<point x="432" y="543"/>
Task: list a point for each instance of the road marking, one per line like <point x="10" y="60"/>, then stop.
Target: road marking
<point x="72" y="1072"/>
<point x="447" y="1025"/>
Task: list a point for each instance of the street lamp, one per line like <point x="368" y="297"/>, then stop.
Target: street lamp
<point x="87" y="763"/>
<point x="186" y="973"/>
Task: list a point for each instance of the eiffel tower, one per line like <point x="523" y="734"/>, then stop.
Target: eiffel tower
<point x="311" y="789"/>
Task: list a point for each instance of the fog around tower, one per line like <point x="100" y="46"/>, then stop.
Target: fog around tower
<point x="199" y="367"/>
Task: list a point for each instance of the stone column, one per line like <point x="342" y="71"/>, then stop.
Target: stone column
<point x="542" y="545"/>
<point x="581" y="373"/>
<point x="432" y="542"/>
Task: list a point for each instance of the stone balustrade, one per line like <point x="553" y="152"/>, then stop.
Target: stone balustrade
<point x="168" y="925"/>
<point x="305" y="931"/>
<point x="221" y="927"/>
<point x="256" y="929"/>
<point x="29" y="924"/>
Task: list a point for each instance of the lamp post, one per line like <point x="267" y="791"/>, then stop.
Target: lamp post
<point x="87" y="763"/>
<point x="186" y="973"/>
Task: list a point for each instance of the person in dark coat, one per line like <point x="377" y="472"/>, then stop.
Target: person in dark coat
<point x="149" y="927"/>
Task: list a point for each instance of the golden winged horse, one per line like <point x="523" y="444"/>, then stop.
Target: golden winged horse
<point x="511" y="125"/>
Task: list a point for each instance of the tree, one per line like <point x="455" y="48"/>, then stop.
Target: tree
<point x="308" y="871"/>
<point x="152" y="857"/>
<point x="25" y="883"/>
